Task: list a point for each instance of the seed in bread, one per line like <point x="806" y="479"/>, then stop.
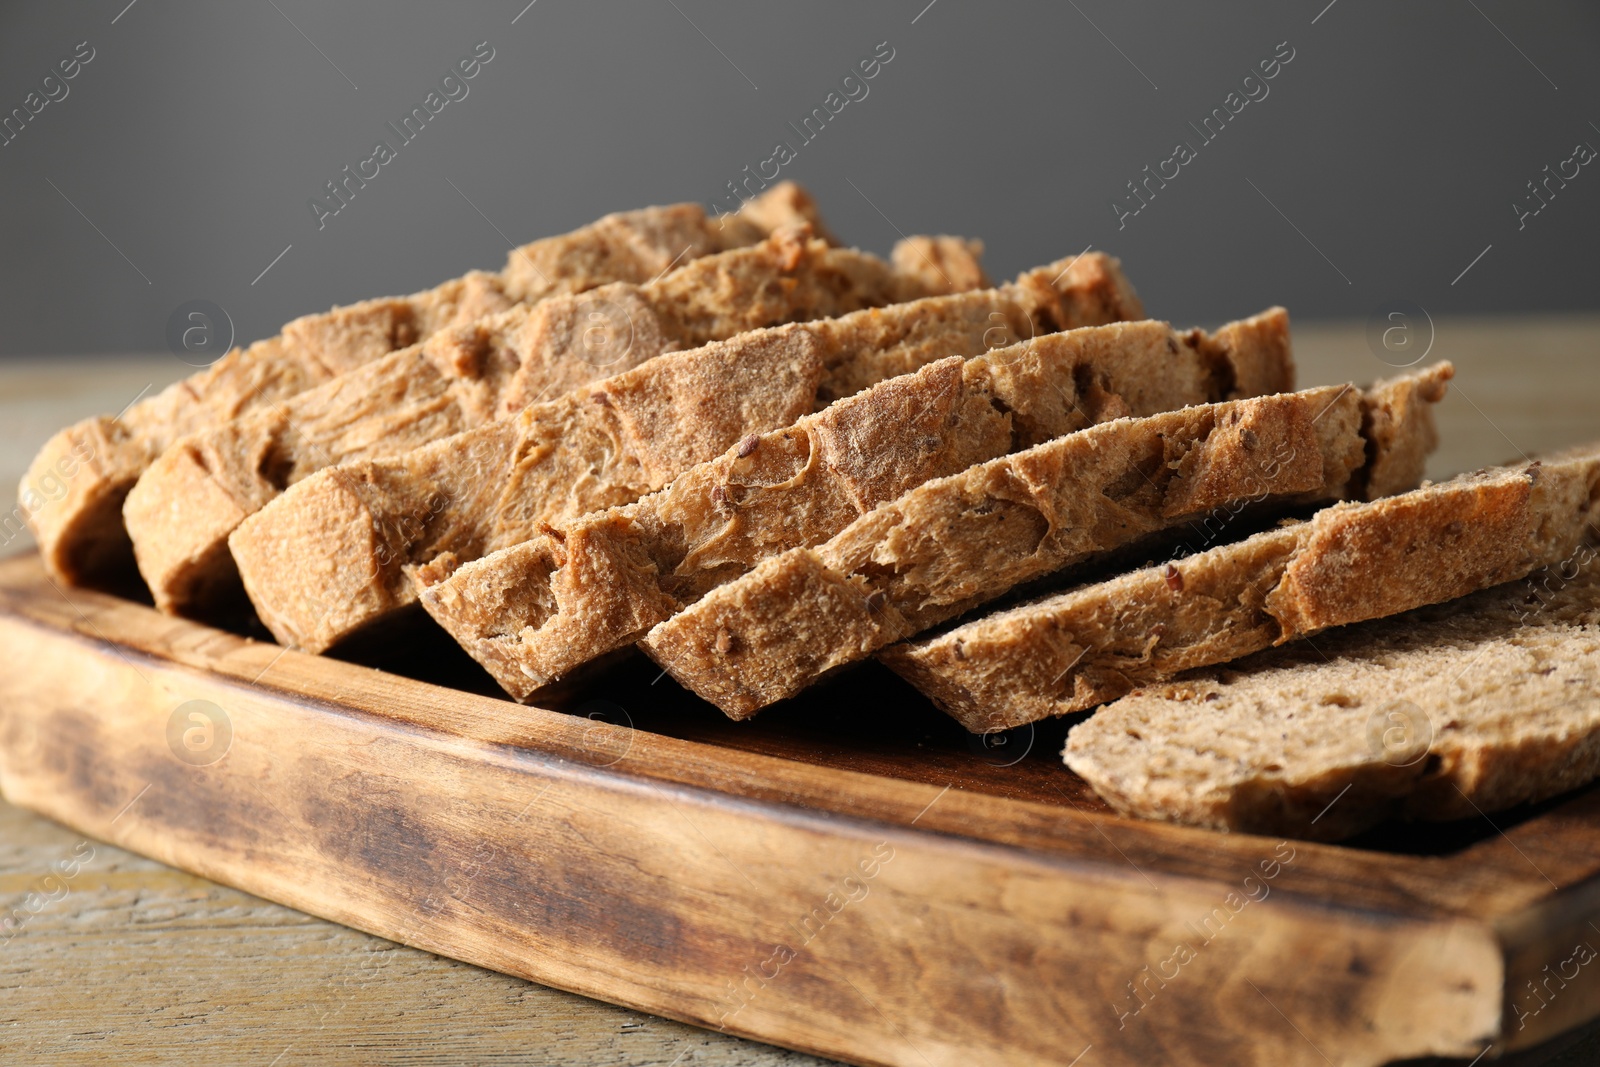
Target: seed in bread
<point x="534" y="612"/>
<point x="953" y="544"/>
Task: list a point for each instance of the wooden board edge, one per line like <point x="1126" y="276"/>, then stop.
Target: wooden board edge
<point x="1463" y="885"/>
<point x="705" y="879"/>
<point x="1552" y="953"/>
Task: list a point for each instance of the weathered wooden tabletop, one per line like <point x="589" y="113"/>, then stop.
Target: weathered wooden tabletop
<point x="134" y="962"/>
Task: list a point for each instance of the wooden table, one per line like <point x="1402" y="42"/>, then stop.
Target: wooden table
<point x="138" y="962"/>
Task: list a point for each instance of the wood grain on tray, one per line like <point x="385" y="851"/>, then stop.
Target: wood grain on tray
<point x="921" y="921"/>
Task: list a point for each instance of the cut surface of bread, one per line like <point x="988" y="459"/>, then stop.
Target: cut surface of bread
<point x="1351" y="562"/>
<point x="1446" y="712"/>
<point x="183" y="508"/>
<point x="606" y="444"/>
<point x="80" y="532"/>
<point x="326" y="557"/>
<point x="955" y="543"/>
<point x="534" y="612"/>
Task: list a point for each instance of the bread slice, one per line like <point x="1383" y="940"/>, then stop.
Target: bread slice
<point x="534" y="612"/>
<point x="182" y="509"/>
<point x="609" y="443"/>
<point x="79" y="530"/>
<point x="1350" y="562"/>
<point x="1445" y="712"/>
<point x="957" y="542"/>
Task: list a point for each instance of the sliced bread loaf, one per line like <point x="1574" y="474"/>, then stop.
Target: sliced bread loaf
<point x="325" y="558"/>
<point x="1445" y="712"/>
<point x="955" y="543"/>
<point x="1350" y="562"/>
<point x="182" y="509"/>
<point x="607" y="444"/>
<point x="534" y="612"/>
<point x="79" y="529"/>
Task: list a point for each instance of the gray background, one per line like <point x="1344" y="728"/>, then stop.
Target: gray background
<point x="1391" y="148"/>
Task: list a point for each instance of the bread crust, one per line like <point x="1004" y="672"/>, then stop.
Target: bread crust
<point x="616" y="440"/>
<point x="80" y="533"/>
<point x="1350" y="563"/>
<point x="609" y="442"/>
<point x="605" y="578"/>
<point x="1444" y="712"/>
<point x="182" y="509"/>
<point x="955" y="543"/>
<point x="941" y="265"/>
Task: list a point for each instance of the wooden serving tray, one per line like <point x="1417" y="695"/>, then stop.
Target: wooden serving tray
<point x="845" y="875"/>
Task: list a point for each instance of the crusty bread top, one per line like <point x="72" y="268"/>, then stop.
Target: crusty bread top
<point x="785" y="204"/>
<point x="185" y="505"/>
<point x="605" y="445"/>
<point x="721" y="517"/>
<point x="1441" y="713"/>
<point x="612" y="574"/>
<point x="609" y="442"/>
<point x="955" y="543"/>
<point x="1350" y="562"/>
<point x="960" y="541"/>
<point x="635" y="246"/>
<point x="941" y="265"/>
<point x="80" y="534"/>
<point x="871" y="346"/>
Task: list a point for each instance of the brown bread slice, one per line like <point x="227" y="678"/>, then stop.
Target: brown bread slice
<point x="609" y="443"/>
<point x="96" y="461"/>
<point x="1445" y="712"/>
<point x="1349" y="563"/>
<point x="534" y="612"/>
<point x="183" y="508"/>
<point x="325" y="559"/>
<point x="958" y="542"/>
